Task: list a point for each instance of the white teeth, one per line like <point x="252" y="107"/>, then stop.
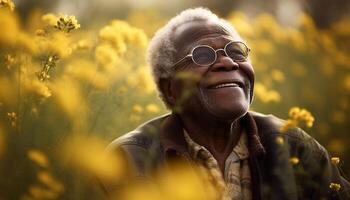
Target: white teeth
<point x="227" y="85"/>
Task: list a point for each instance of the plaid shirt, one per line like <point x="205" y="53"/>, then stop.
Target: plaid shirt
<point x="236" y="182"/>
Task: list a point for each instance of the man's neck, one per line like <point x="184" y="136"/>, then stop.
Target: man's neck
<point x="219" y="137"/>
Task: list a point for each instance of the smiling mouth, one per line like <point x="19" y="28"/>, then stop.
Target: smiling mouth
<point x="225" y="84"/>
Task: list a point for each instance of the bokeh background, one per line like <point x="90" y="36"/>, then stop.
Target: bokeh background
<point x="67" y="89"/>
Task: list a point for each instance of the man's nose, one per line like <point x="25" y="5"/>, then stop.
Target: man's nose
<point x="224" y="63"/>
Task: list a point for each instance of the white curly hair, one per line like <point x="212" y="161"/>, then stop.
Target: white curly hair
<point x="162" y="52"/>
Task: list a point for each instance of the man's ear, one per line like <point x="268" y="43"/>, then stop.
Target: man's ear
<point x="166" y="88"/>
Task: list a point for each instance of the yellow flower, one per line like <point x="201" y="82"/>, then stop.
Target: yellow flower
<point x="84" y="70"/>
<point x="296" y="115"/>
<point x="50" y="19"/>
<point x="68" y="95"/>
<point x="56" y="44"/>
<point x="50" y="182"/>
<point x="335" y="186"/>
<point x="119" y="33"/>
<point x="39" y="192"/>
<point x="9" y="28"/>
<point x="13" y="118"/>
<point x="294" y="160"/>
<point x="37" y="87"/>
<point x="240" y="21"/>
<point x="106" y="56"/>
<point x="38" y="157"/>
<point x="152" y="108"/>
<point x="279" y="140"/>
<point x="88" y="155"/>
<point x="9" y="61"/>
<point x="7" y="3"/>
<point x="67" y="23"/>
<point x="137" y="108"/>
<point x="335" y="160"/>
<point x="277" y="75"/>
<point x="265" y="95"/>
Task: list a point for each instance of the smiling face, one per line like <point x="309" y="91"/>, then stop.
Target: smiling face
<point x="221" y="90"/>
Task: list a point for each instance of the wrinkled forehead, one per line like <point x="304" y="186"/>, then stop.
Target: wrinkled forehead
<point x="192" y="31"/>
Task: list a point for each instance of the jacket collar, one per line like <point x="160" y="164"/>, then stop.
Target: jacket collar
<point x="173" y="140"/>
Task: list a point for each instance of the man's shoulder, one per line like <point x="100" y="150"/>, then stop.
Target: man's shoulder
<point x="143" y="136"/>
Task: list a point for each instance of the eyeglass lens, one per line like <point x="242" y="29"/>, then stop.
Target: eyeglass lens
<point x="205" y="55"/>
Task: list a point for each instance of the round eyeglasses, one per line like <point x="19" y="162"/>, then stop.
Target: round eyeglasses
<point x="204" y="55"/>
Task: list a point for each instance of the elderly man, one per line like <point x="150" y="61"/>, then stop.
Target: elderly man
<point x="201" y="67"/>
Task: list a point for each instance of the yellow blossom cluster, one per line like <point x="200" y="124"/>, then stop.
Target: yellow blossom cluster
<point x="335" y="186"/>
<point x="47" y="187"/>
<point x="193" y="185"/>
<point x="7" y="3"/>
<point x="114" y="40"/>
<point x="296" y="115"/>
<point x="266" y="95"/>
<point x="65" y="23"/>
<point x="57" y="80"/>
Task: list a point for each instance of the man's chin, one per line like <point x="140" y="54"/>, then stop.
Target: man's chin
<point x="228" y="114"/>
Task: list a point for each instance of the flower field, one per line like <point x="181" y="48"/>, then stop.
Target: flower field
<point x="67" y="90"/>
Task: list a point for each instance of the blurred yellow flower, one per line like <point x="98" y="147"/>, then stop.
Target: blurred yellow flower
<point x="106" y="56"/>
<point x="84" y="70"/>
<point x="7" y="3"/>
<point x="40" y="192"/>
<point x="279" y="140"/>
<point x="137" y="108"/>
<point x="335" y="186"/>
<point x="54" y="185"/>
<point x="306" y="22"/>
<point x="68" y="95"/>
<point x="56" y="44"/>
<point x="9" y="61"/>
<point x="119" y="33"/>
<point x="264" y="47"/>
<point x="145" y="191"/>
<point x="297" y="115"/>
<point x="50" y="19"/>
<point x="277" y="75"/>
<point x="38" y="157"/>
<point x="13" y="118"/>
<point x="240" y="21"/>
<point x="142" y="80"/>
<point x="152" y="108"/>
<point x="191" y="186"/>
<point x="88" y="155"/>
<point x="67" y="23"/>
<point x="265" y="95"/>
<point x="9" y="28"/>
<point x="294" y="160"/>
<point x="335" y="160"/>
<point x="37" y="87"/>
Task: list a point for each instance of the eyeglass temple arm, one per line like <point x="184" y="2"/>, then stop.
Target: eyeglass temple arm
<point x="178" y="62"/>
